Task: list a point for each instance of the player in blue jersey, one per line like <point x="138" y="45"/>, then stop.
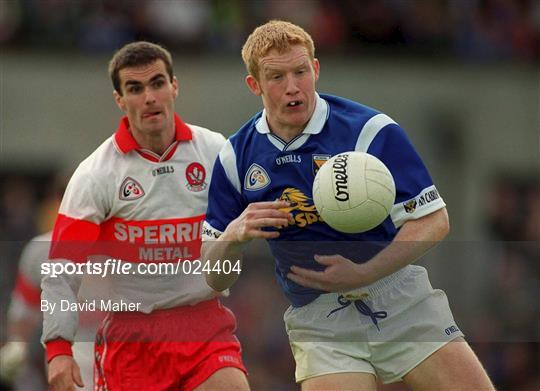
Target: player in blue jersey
<point x="359" y="310"/>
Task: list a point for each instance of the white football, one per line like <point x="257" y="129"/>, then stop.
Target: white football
<point x="354" y="192"/>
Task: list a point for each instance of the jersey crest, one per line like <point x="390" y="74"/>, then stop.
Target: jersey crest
<point x="256" y="178"/>
<point x="410" y="206"/>
<point x="195" y="175"/>
<point x="318" y="161"/>
<point x="130" y="190"/>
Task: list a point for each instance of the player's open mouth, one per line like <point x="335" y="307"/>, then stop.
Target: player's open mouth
<point x="294" y="103"/>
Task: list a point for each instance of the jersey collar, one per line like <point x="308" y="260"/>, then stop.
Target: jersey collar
<point x="315" y="124"/>
<point x="126" y="143"/>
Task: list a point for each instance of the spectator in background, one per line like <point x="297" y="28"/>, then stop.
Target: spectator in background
<point x="18" y="207"/>
<point x="487" y="30"/>
<point x="507" y="333"/>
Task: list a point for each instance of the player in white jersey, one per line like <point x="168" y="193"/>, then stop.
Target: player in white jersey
<point x="140" y="199"/>
<point x="22" y="356"/>
<point x="25" y="320"/>
<point x="359" y="309"/>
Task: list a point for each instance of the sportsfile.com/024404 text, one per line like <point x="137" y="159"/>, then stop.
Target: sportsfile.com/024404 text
<point x="113" y="266"/>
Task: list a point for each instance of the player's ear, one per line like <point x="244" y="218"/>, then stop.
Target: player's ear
<point x="175" y="86"/>
<point x="253" y="85"/>
<point x="316" y="68"/>
<point x="119" y="99"/>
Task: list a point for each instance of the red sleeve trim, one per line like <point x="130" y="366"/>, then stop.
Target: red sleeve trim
<point x="72" y="239"/>
<point x="30" y="293"/>
<point x="58" y="347"/>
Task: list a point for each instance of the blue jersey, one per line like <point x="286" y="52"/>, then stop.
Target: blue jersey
<point x="256" y="165"/>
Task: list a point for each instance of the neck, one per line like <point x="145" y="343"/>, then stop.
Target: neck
<point x="157" y="143"/>
<point x="286" y="133"/>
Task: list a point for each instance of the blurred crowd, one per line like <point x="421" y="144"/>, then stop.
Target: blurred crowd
<point x="507" y="329"/>
<point x="504" y="331"/>
<point x="484" y="30"/>
<point x="28" y="206"/>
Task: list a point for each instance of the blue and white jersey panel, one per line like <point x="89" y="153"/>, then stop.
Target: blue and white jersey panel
<point x="255" y="165"/>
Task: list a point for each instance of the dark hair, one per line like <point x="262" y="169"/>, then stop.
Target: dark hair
<point x="138" y="54"/>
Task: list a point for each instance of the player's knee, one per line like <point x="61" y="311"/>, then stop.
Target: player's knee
<point x="452" y="367"/>
<point x="341" y="381"/>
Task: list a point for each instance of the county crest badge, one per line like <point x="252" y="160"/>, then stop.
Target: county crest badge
<point x="410" y="206"/>
<point x="318" y="161"/>
<point x="195" y="176"/>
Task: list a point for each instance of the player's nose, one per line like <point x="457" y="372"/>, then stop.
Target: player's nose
<point x="149" y="96"/>
<point x="292" y="87"/>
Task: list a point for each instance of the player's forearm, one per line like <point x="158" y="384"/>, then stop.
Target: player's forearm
<point x="216" y="252"/>
<point x="59" y="324"/>
<point x="415" y="238"/>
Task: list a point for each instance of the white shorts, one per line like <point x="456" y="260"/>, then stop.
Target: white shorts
<point x="399" y="321"/>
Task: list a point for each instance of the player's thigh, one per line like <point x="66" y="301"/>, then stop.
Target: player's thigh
<point x="453" y="367"/>
<point x="398" y="386"/>
<point x="228" y="378"/>
<point x="341" y="381"/>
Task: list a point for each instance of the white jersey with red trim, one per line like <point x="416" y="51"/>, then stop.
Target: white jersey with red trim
<point x="25" y="297"/>
<point x="133" y="205"/>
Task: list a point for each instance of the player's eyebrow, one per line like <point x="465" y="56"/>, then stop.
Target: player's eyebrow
<point x="267" y="68"/>
<point x="135" y="82"/>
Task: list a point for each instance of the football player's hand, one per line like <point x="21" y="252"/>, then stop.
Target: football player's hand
<point x="340" y="274"/>
<point x="64" y="373"/>
<point x="258" y="215"/>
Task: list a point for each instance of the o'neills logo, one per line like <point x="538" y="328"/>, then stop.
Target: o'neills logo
<point x="339" y="172"/>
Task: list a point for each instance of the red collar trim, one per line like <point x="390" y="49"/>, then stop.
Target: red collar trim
<point x="125" y="141"/>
